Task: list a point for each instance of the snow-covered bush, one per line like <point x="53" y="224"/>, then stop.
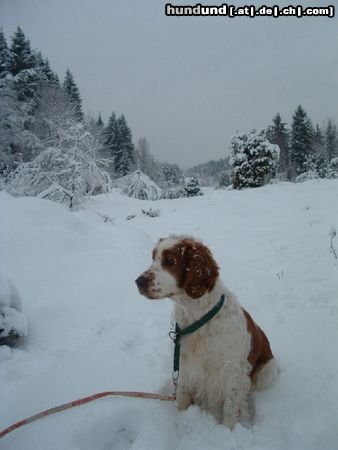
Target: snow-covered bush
<point x="138" y="185"/>
<point x="253" y="160"/>
<point x="174" y="192"/>
<point x="309" y="175"/>
<point x="13" y="323"/>
<point x="193" y="188"/>
<point x="224" y="179"/>
<point x="65" y="174"/>
<point x="332" y="169"/>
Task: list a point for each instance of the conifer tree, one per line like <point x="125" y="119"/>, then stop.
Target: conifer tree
<point x="124" y="158"/>
<point x="318" y="141"/>
<point x="331" y="140"/>
<point x="319" y="151"/>
<point x="73" y="93"/>
<point x="99" y="122"/>
<point x="5" y="63"/>
<point x="301" y="139"/>
<point x="118" y="142"/>
<point x="20" y="53"/>
<point x="110" y="135"/>
<point x="278" y="134"/>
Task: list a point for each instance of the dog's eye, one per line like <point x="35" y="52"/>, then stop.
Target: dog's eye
<point x="167" y="261"/>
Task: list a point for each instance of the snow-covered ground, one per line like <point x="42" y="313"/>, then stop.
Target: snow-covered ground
<point x="90" y="330"/>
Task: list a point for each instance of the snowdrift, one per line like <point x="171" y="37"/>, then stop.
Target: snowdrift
<point x="90" y="330"/>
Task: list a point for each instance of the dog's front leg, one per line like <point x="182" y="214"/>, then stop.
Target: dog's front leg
<point x="236" y="395"/>
<point x="183" y="398"/>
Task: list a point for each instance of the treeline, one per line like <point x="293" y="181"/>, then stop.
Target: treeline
<point x="294" y="153"/>
<point x="43" y="130"/>
<point x="50" y="148"/>
<point x="303" y="147"/>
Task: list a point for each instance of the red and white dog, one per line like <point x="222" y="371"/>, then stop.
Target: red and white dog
<point x="227" y="357"/>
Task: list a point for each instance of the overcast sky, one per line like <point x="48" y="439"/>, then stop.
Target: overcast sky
<point x="187" y="84"/>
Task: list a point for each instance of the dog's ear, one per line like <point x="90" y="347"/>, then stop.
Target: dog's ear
<point x="201" y="270"/>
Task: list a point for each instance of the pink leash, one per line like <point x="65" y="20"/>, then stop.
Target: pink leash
<point x="83" y="401"/>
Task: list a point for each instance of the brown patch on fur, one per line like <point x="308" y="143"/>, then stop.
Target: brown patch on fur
<point x="193" y="266"/>
<point x="260" y="352"/>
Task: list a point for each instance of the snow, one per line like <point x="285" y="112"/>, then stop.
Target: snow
<point x="90" y="330"/>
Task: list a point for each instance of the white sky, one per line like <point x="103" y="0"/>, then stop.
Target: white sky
<point x="187" y="84"/>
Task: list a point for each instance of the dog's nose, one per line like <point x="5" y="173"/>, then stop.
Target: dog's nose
<point x="141" y="281"/>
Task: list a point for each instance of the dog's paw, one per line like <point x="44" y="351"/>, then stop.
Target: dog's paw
<point x="230" y="420"/>
<point x="183" y="401"/>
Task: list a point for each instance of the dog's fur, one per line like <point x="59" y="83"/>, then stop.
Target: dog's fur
<point x="228" y="356"/>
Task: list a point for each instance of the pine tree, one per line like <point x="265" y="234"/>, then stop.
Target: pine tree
<point x="301" y="139"/>
<point x="319" y="151"/>
<point x="331" y="140"/>
<point x="47" y="71"/>
<point x="109" y="137"/>
<point x="318" y="141"/>
<point x="278" y="134"/>
<point x="20" y="53"/>
<point x="124" y="157"/>
<point x="73" y="93"/>
<point x="118" y="142"/>
<point x="5" y="63"/>
<point x="99" y="122"/>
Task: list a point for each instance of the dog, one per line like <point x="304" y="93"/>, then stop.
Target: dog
<point x="226" y="358"/>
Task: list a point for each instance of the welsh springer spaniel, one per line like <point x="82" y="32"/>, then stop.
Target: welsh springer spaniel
<point x="227" y="357"/>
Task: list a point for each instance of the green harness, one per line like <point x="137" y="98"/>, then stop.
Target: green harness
<point x="179" y="332"/>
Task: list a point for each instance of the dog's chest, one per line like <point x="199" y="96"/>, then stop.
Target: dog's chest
<point x="214" y="346"/>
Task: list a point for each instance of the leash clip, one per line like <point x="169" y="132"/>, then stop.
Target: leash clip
<point x="173" y="335"/>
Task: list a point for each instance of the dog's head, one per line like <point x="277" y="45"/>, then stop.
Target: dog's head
<point x="181" y="265"/>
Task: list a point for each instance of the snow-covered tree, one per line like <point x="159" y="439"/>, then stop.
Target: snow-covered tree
<point x="144" y="159"/>
<point x="310" y="171"/>
<point x="253" y="160"/>
<point x="331" y="140"/>
<point x="73" y="93"/>
<point x="318" y="142"/>
<point x="138" y="185"/>
<point x="169" y="177"/>
<point x="20" y="53"/>
<point x="66" y="174"/>
<point x="332" y="169"/>
<point x="5" y="62"/>
<point x="301" y="139"/>
<point x="17" y="142"/>
<point x="211" y="173"/>
<point x="99" y="122"/>
<point x="119" y="146"/>
<point x="53" y="116"/>
<point x="193" y="188"/>
<point x="278" y="134"/>
<point x="109" y="140"/>
<point x="124" y="157"/>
